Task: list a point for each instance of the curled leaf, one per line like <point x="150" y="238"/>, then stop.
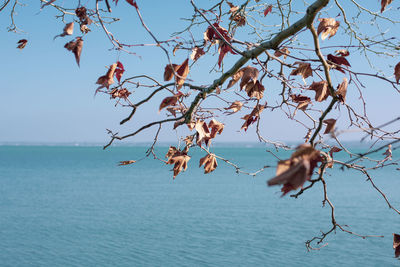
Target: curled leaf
<point x="22" y="43"/>
<point x="197" y="52"/>
<point x="384" y="4"/>
<point x="284" y="51"/>
<point x="342" y="52"/>
<point x="253" y="116"/>
<point x="235" y="106"/>
<point x="255" y="90"/>
<point x="203" y="133"/>
<point x="321" y="90"/>
<point x="76" y="48"/>
<point x="120" y="93"/>
<point x="107" y="80"/>
<point x="328" y="27"/>
<point x="396" y="245"/>
<point x="302" y="101"/>
<point x="68" y="30"/>
<point x="177" y="158"/>
<point x="170" y="101"/>
<point x="342" y="90"/>
<point x="304" y="70"/>
<point x="216" y="127"/>
<point x="397" y="72"/>
<point x="330" y="125"/>
<point x="126" y="162"/>
<point x="209" y="162"/>
<point x="119" y="71"/>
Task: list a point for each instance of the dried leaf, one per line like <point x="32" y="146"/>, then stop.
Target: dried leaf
<point x="334" y="149"/>
<point x="169" y="71"/>
<point x="170" y="101"/>
<point x="341" y="90"/>
<point x="267" y="10"/>
<point x="119" y="71"/>
<point x="182" y="72"/>
<point x="304" y="70"/>
<point x="397" y="72"/>
<point x="197" y="52"/>
<point x="321" y="90"/>
<point x="22" y="43"/>
<point x="76" y="48"/>
<point x="235" y="106"/>
<point x="338" y="61"/>
<point x="203" y="133"/>
<point x="388" y="153"/>
<point x="303" y="101"/>
<point x="330" y="125"/>
<point x="384" y="4"/>
<point x="68" y="30"/>
<point x="328" y="27"/>
<point x="126" y="162"/>
<point x="284" y="51"/>
<point x="247" y="74"/>
<point x="294" y="172"/>
<point x="216" y="127"/>
<point x="253" y="116"/>
<point x="107" y="80"/>
<point x="255" y="90"/>
<point x="342" y="52"/>
<point x="81" y="13"/>
<point x="120" y="93"/>
<point x="133" y="3"/>
<point x="177" y="46"/>
<point x="177" y="158"/>
<point x="209" y="162"/>
<point x="396" y="245"/>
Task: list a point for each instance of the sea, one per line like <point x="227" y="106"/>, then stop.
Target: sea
<point x="72" y="205"/>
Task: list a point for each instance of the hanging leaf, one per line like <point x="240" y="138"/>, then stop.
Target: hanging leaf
<point x="119" y="71"/>
<point x="321" y="90"/>
<point x="341" y="90"/>
<point x="284" y="51"/>
<point x="304" y="70"/>
<point x="216" y="127"/>
<point x="397" y="72"/>
<point x="203" y="133"/>
<point x="267" y="10"/>
<point x="396" y="245"/>
<point x="170" y="101"/>
<point x="22" y="43"/>
<point x="68" y="30"/>
<point x="235" y="106"/>
<point x="328" y="27"/>
<point x="133" y="3"/>
<point x="106" y="80"/>
<point x="330" y="125"/>
<point x="197" y="52"/>
<point x="384" y="4"/>
<point x="253" y="116"/>
<point x="209" y="162"/>
<point x="76" y="48"/>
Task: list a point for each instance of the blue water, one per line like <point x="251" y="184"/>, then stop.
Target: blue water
<point x="72" y="206"/>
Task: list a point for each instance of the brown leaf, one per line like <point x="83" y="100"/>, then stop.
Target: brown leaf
<point x="397" y="72"/>
<point x="302" y="101"/>
<point x="396" y="245"/>
<point x="330" y="125"/>
<point x="253" y="116"/>
<point x="342" y="90"/>
<point x="182" y="72"/>
<point x="342" y="52"/>
<point x="328" y="27"/>
<point x="235" y="106"/>
<point x="169" y="71"/>
<point x="247" y="74"/>
<point x="338" y="61"/>
<point x="294" y="172"/>
<point x="209" y="162"/>
<point x="177" y="46"/>
<point x="126" y="162"/>
<point x="321" y="90"/>
<point x="197" y="52"/>
<point x="284" y="51"/>
<point x="235" y="16"/>
<point x="384" y="4"/>
<point x="334" y="149"/>
<point x="216" y="127"/>
<point x="203" y="133"/>
<point x="304" y="69"/>
<point x="81" y="13"/>
<point x="170" y="101"/>
<point x="68" y="30"/>
<point x="255" y="90"/>
<point x="120" y="93"/>
<point x="76" y="48"/>
<point x="107" y="80"/>
<point x="22" y="43"/>
<point x="178" y="158"/>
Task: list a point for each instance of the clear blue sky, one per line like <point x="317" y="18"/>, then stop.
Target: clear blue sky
<point x="45" y="97"/>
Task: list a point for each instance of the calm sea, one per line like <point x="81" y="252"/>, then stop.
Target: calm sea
<point x="73" y="206"/>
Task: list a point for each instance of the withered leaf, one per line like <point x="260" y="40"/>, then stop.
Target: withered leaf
<point x="247" y="74"/>
<point x="342" y="90"/>
<point x="169" y="71"/>
<point x="107" y="80"/>
<point x="294" y="172"/>
<point x="384" y="4"/>
<point x="216" y="127"/>
<point x="397" y="72"/>
<point x="120" y="93"/>
<point x="133" y="3"/>
<point x="328" y="27"/>
<point x="304" y="69"/>
<point x="303" y="101"/>
<point x="209" y="162"/>
<point x="342" y="52"/>
<point x="235" y="106"/>
<point x="126" y="162"/>
<point x="334" y="149"/>
<point x="119" y="71"/>
<point x="22" y="43"/>
<point x="267" y="10"/>
<point x="68" y="30"/>
<point x="203" y="133"/>
<point x="182" y="72"/>
<point x="338" y="61"/>
<point x="396" y="245"/>
<point x="81" y="13"/>
<point x="76" y="48"/>
<point x="330" y="125"/>
<point x="197" y="52"/>
<point x="284" y="51"/>
<point x="177" y="46"/>
<point x="170" y="101"/>
<point x="321" y="90"/>
<point x="177" y="158"/>
<point x="253" y="116"/>
<point x="255" y="90"/>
